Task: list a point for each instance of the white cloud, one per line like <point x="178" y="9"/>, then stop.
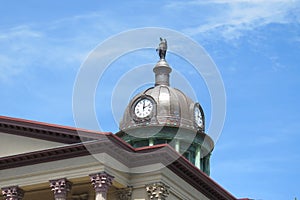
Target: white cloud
<point x="19" y="31"/>
<point x="233" y="18"/>
<point x="14" y="46"/>
<point x="65" y="42"/>
<point x="62" y="43"/>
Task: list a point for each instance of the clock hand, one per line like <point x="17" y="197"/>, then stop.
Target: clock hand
<point x="148" y="106"/>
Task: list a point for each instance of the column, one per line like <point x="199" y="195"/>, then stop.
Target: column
<point x="202" y="164"/>
<point x="151" y="141"/>
<point x="157" y="191"/>
<point x="12" y="193"/>
<point x="124" y="193"/>
<point x="198" y="156"/>
<point x="101" y="182"/>
<point x="177" y="145"/>
<point x="60" y="188"/>
<point x="206" y="164"/>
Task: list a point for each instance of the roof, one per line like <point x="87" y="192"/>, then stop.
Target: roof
<point x="46" y="131"/>
<point x="98" y="142"/>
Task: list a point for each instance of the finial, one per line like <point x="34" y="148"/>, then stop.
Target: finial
<point x="162" y="48"/>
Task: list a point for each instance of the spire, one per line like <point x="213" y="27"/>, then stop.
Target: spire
<point x="162" y="69"/>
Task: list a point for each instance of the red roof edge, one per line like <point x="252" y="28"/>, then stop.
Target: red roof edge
<point x="44" y="124"/>
<point x="46" y="131"/>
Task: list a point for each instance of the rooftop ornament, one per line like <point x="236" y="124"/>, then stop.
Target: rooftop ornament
<point x="162" y="48"/>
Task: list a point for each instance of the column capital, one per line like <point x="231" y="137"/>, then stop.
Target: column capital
<point x="60" y="187"/>
<point x="157" y="191"/>
<point x="101" y="181"/>
<point x="124" y="193"/>
<point x="12" y="193"/>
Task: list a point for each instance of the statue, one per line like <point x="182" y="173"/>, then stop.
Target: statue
<point x="162" y="48"/>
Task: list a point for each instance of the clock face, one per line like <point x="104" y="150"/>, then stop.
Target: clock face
<point x="143" y="108"/>
<point x="198" y="117"/>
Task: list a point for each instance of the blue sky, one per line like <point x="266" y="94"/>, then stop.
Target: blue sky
<point x="254" y="43"/>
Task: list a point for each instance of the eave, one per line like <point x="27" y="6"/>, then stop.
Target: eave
<point x="45" y="131"/>
<point x="102" y="142"/>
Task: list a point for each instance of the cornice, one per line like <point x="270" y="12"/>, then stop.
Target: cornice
<point x="105" y="143"/>
<point x="45" y="131"/>
<point x="199" y="180"/>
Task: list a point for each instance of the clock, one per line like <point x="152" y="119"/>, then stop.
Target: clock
<point x="198" y="116"/>
<point x="143" y="108"/>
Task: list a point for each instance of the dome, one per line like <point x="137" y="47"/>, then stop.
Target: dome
<point x="165" y="115"/>
<point x="169" y="106"/>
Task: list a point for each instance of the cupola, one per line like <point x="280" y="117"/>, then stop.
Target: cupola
<point x="162" y="114"/>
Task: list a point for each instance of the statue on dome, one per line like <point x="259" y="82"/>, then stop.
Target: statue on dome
<point x="162" y="48"/>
